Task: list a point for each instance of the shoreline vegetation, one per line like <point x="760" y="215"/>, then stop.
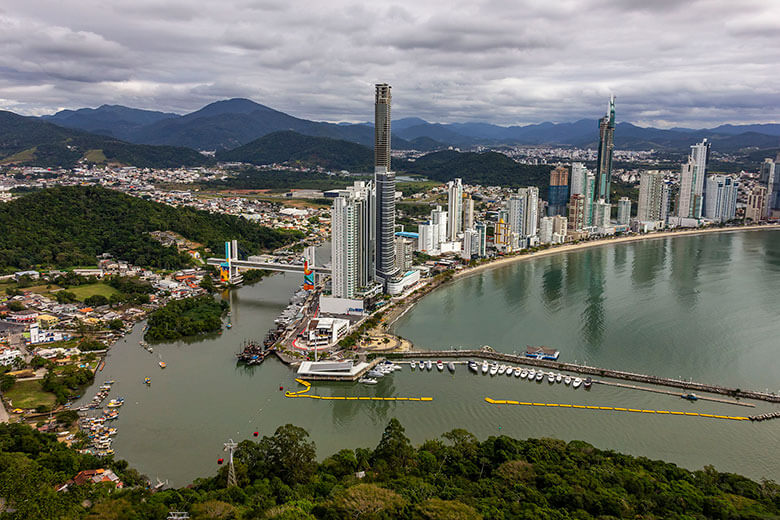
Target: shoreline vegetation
<point x="455" y="476"/>
<point x="393" y="314"/>
<point x="187" y="317"/>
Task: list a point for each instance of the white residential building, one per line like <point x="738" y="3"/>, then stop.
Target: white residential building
<point x="454" y="209"/>
<point x="690" y="202"/>
<point x="721" y="198"/>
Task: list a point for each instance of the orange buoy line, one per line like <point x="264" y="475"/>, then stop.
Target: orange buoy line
<point x="617" y="409"/>
<point x="302" y="393"/>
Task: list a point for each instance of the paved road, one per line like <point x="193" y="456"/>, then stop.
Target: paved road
<point x="3" y="413"/>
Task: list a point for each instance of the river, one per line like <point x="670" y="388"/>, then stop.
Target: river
<point x="703" y="307"/>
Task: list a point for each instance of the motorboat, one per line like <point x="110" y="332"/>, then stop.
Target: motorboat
<point x="518" y="372"/>
<point x="523" y="374"/>
<point x="412" y="365"/>
<point x="539" y="375"/>
<point x="551" y="378"/>
<point x="532" y="374"/>
<point x="501" y="370"/>
<point x="428" y="365"/>
<point x="558" y="378"/>
<point x="567" y="380"/>
<point x="147" y="381"/>
<point x="494" y="369"/>
<point x="374" y="373"/>
<point x="440" y="366"/>
<point x="577" y="382"/>
<point x="588" y="381"/>
<point x="473" y="366"/>
<point x="367" y="381"/>
<point x="484" y="367"/>
<point x="451" y="367"/>
<point x="162" y="364"/>
<point x="422" y="365"/>
<point x="690" y="397"/>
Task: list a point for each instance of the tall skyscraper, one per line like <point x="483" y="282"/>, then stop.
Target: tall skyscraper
<point x="454" y="209"/>
<point x="590" y="192"/>
<point x="770" y="177"/>
<point x="690" y="203"/>
<point x="352" y="240"/>
<point x="558" y="193"/>
<point x="516" y="207"/>
<point x="653" y="197"/>
<point x="384" y="180"/>
<point x="468" y="212"/>
<point x="624" y="211"/>
<point x="481" y="229"/>
<point x="579" y="176"/>
<point x="721" y="198"/>
<point x="532" y="211"/>
<point x="606" y="144"/>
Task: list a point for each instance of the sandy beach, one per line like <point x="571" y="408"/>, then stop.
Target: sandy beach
<point x="567" y="248"/>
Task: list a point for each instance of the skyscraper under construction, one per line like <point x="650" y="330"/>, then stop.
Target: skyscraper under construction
<point x="606" y="144"/>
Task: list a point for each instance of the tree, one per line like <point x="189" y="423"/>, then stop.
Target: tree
<point x="7" y="382"/>
<point x="394" y="447"/>
<point x="96" y="300"/>
<point x="438" y="509"/>
<point x="292" y="454"/>
<point x="367" y="501"/>
<point x="207" y="284"/>
<point x="68" y="417"/>
<point x="15" y="306"/>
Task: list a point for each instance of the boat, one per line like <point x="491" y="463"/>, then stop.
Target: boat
<point x="518" y="372"/>
<point x="367" y="381"/>
<point x="422" y="365"/>
<point x="147" y="381"/>
<point x="587" y="382"/>
<point x="493" y="369"/>
<point x="109" y="382"/>
<point x="375" y="374"/>
<point x="113" y="403"/>
<point x="539" y="375"/>
<point x="162" y="364"/>
<point x="577" y="382"/>
<point x="501" y="370"/>
<point x="690" y="397"/>
<point x="551" y="378"/>
<point x="428" y="365"/>
<point x="473" y="366"/>
<point x="440" y="365"/>
<point x="451" y="367"/>
<point x="523" y="374"/>
<point x="412" y="365"/>
<point x="542" y="353"/>
<point x="558" y="378"/>
<point x="229" y="325"/>
<point x="567" y="380"/>
<point x="484" y="367"/>
<point x="532" y="374"/>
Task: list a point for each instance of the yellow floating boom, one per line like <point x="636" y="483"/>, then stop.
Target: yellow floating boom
<point x="616" y="409"/>
<point x="302" y="393"/>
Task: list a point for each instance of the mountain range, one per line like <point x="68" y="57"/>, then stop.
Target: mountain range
<point x="231" y="123"/>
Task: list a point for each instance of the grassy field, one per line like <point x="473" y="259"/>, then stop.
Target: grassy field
<point x="95" y="156"/>
<point x="85" y="291"/>
<point x="28" y="394"/>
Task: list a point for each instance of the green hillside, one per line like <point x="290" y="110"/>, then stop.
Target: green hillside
<point x="487" y="169"/>
<point x="297" y="149"/>
<point x="29" y="141"/>
<point x="455" y="477"/>
<point x="68" y="226"/>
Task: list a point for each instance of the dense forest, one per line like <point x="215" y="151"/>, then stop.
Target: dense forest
<point x="187" y="317"/>
<point x="254" y="179"/>
<point x="453" y="477"/>
<point x="487" y="169"/>
<point x="69" y="226"/>
<point x="303" y="150"/>
<point x="25" y="140"/>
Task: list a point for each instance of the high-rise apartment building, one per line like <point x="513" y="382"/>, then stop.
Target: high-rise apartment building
<point x="653" y="197"/>
<point x="558" y="193"/>
<point x="545" y="230"/>
<point x="454" y="209"/>
<point x="481" y="229"/>
<point x="579" y="176"/>
<point x="606" y="145"/>
<point x="403" y="254"/>
<point x="384" y="180"/>
<point x="516" y="208"/>
<point x="690" y="203"/>
<point x="624" y="211"/>
<point x="590" y="193"/>
<point x="468" y="212"/>
<point x="602" y="213"/>
<point x="577" y="212"/>
<point x="721" y="198"/>
<point x="770" y="177"/>
<point x="532" y="211"/>
<point x="352" y="240"/>
<point x="755" y="209"/>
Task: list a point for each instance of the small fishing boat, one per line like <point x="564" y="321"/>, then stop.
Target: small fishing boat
<point x="162" y="364"/>
<point x="494" y="369"/>
<point x="229" y="325"/>
<point x="501" y="370"/>
<point x="558" y="378"/>
<point x="484" y="367"/>
<point x="523" y="374"/>
<point x="440" y="366"/>
<point x="451" y="367"/>
<point x="577" y="382"/>
<point x="567" y="380"/>
<point x="147" y="381"/>
<point x="367" y="381"/>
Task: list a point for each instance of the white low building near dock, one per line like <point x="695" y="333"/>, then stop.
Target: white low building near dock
<point x="330" y="369"/>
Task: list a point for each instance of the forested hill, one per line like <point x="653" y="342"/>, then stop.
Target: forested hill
<point x="487" y="169"/>
<point x="455" y="477"/>
<point x="30" y="141"/>
<point x="69" y="226"/>
<point x="303" y="150"/>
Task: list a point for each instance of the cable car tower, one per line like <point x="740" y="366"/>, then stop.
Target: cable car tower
<point x="230" y="447"/>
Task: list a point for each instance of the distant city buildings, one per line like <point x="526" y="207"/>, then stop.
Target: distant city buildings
<point x="770" y="178"/>
<point x="606" y="146"/>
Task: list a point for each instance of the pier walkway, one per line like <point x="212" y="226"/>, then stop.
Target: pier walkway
<point x="588" y="370"/>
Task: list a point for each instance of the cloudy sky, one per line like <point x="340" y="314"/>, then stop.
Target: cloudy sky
<point x="669" y="62"/>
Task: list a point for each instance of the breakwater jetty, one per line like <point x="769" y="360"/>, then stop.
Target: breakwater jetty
<point x="489" y="354"/>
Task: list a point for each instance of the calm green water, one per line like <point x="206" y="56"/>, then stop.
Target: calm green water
<point x="700" y="307"/>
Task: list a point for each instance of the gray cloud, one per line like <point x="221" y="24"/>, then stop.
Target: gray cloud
<point x="670" y="63"/>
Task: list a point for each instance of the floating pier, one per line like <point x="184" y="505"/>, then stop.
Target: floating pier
<point x="594" y="371"/>
<point x="303" y="393"/>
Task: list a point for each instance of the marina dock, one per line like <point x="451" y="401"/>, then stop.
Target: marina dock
<point x="690" y="386"/>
